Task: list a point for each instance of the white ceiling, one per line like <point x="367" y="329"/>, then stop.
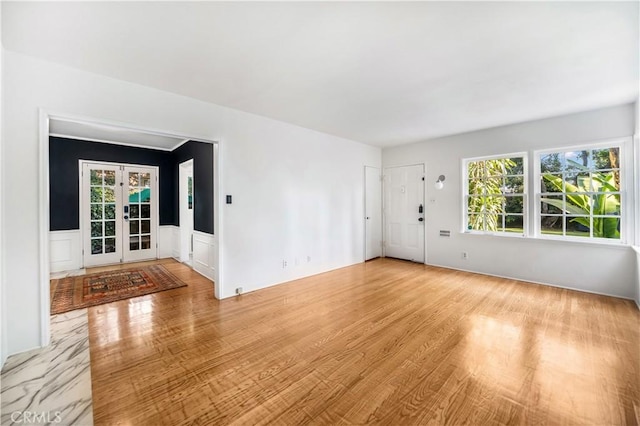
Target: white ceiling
<point x="376" y="72"/>
<point x="111" y="134"/>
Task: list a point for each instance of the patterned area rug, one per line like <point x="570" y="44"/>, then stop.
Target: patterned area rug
<point x="83" y="291"/>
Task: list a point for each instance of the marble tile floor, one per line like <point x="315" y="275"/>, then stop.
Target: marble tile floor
<point x="51" y="385"/>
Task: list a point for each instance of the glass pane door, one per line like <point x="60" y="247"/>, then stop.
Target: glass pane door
<point x="102" y="223"/>
<point x="119" y="211"/>
<point x="141" y="199"/>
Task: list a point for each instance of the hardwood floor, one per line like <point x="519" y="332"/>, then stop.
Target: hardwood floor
<point x="385" y="342"/>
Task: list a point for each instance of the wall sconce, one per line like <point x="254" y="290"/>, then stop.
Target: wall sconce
<point x="440" y="182"/>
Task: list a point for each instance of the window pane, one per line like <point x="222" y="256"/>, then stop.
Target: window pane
<point x="551" y="225"/>
<point x="514" y="224"/>
<point x="134" y="196"/>
<point x="110" y="211"/>
<point x="608" y="158"/>
<point x="134" y="243"/>
<point x="577" y="226"/>
<point x="577" y="160"/>
<point x="96" y="229"/>
<point x="96" y="195"/>
<point x="145" y="179"/>
<point x="513" y="185"/>
<point x="134" y="211"/>
<point x="517" y="167"/>
<point x="514" y="204"/>
<point x="145" y="242"/>
<point x="578" y="182"/>
<point x="551" y="163"/>
<point x="109" y="195"/>
<point x="109" y="245"/>
<point x="109" y="228"/>
<point x="552" y="204"/>
<point x="133" y="179"/>
<point x="606" y="181"/>
<point x="550" y="183"/>
<point x="96" y="246"/>
<point x="606" y="227"/>
<point x="96" y="211"/>
<point x="577" y="203"/>
<point x="96" y="177"/>
<point x="145" y="211"/>
<point x="145" y="226"/>
<point x="134" y="227"/>
<point x="109" y="178"/>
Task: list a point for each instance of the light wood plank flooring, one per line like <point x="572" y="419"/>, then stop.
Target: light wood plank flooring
<point x="386" y="342"/>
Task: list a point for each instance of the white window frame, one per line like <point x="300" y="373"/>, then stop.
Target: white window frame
<point x="525" y="195"/>
<point x="626" y="176"/>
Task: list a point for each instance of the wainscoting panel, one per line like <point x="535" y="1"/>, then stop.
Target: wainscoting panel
<point x="65" y="250"/>
<point x="175" y="243"/>
<point x="205" y="254"/>
<point x="165" y="241"/>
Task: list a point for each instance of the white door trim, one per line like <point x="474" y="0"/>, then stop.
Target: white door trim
<point x="44" y="203"/>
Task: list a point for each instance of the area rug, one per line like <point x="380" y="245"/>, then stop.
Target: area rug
<point x="82" y="291"/>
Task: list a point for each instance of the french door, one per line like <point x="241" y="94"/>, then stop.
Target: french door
<point x="404" y="212"/>
<point x="119" y="213"/>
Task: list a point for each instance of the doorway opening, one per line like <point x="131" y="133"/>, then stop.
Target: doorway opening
<point x="186" y="211"/>
<point x="66" y="237"/>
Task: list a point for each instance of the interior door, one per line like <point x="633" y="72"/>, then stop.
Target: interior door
<point x="404" y="212"/>
<point x="373" y="213"/>
<point x="119" y="213"/>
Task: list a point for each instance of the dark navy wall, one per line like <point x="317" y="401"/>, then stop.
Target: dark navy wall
<point x="64" y="155"/>
<point x="202" y="154"/>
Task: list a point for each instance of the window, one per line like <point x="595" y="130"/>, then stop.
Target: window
<point x="495" y="196"/>
<point x="580" y="193"/>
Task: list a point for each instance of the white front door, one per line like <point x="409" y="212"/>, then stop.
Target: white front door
<point x="404" y="212"/>
<point x="373" y="213"/>
<point x="119" y="213"/>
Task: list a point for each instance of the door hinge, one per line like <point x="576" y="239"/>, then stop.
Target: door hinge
<point x="121" y="261"/>
<point x="83" y="252"/>
<point x="381" y="178"/>
<point x="383" y="244"/>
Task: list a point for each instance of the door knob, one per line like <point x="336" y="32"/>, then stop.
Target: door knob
<point x="367" y="217"/>
<point x="420" y="219"/>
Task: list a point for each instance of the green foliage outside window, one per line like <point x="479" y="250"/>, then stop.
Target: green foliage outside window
<point x="495" y="197"/>
<point x="581" y="193"/>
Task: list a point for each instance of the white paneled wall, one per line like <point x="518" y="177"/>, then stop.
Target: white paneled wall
<point x="165" y="241"/>
<point x="65" y="250"/>
<point x="205" y="253"/>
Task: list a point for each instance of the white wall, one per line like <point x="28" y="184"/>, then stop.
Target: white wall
<point x="3" y="322"/>
<point x="593" y="268"/>
<point x="296" y="192"/>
